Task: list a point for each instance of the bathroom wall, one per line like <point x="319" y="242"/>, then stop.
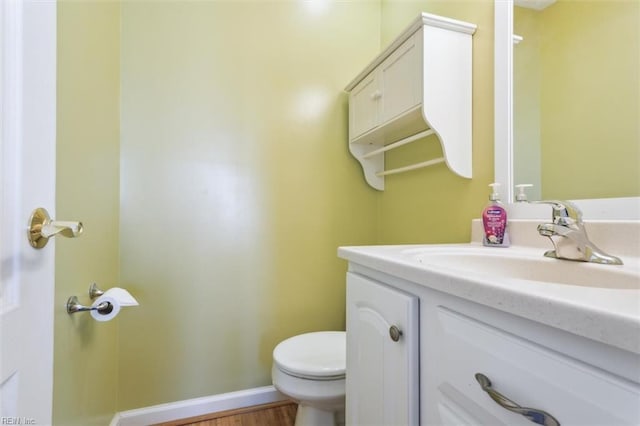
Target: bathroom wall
<point x="231" y="187"/>
<point x="433" y="205"/>
<point x="236" y="186"/>
<point x="85" y="352"/>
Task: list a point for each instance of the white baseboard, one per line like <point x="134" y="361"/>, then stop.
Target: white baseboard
<point x="197" y="407"/>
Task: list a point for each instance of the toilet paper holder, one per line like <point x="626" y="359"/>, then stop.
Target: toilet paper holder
<point x="94" y="291"/>
<point x="124" y="298"/>
<point x="73" y="304"/>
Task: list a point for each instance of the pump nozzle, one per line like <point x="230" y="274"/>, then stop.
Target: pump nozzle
<point x="521" y="196"/>
<point x="495" y="196"/>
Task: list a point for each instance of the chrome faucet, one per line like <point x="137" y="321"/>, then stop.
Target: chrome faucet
<point x="569" y="236"/>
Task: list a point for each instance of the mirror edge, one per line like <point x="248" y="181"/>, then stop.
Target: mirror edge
<point x="503" y="97"/>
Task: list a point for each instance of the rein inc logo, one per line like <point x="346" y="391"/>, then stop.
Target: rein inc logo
<point x="17" y="421"/>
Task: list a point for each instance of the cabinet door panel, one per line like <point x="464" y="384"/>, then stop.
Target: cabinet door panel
<point x="400" y="80"/>
<point x="382" y="374"/>
<point x="363" y="107"/>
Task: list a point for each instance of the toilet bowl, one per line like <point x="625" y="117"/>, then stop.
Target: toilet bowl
<point x="310" y="369"/>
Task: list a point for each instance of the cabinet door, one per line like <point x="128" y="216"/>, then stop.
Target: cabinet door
<point x="363" y="106"/>
<point x="400" y="78"/>
<point x="382" y="372"/>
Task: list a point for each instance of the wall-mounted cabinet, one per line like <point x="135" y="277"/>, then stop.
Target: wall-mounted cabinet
<point x="420" y="85"/>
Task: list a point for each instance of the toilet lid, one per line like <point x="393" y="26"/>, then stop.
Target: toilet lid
<point x="319" y="355"/>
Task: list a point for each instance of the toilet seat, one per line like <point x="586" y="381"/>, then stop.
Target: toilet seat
<point x="315" y="356"/>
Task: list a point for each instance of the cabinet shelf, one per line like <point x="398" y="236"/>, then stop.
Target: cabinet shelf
<point x="418" y="86"/>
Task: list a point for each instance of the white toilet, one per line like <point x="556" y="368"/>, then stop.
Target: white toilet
<point x="310" y="369"/>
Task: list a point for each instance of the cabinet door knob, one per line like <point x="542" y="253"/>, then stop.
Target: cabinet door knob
<point x="395" y="333"/>
<point x="376" y="95"/>
<point x="536" y="416"/>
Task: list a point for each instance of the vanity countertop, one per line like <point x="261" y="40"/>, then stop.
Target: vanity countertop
<point x="608" y="312"/>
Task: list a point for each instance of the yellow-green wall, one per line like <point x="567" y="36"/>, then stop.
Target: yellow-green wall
<point x="237" y="186"/>
<point x="223" y="199"/>
<point x="85" y="361"/>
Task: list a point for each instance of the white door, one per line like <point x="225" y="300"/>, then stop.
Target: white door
<point x="382" y="365"/>
<point x="27" y="181"/>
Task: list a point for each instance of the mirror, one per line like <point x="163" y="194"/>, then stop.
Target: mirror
<point x="586" y="143"/>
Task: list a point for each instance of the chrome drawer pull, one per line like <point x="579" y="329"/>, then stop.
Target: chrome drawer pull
<point x="536" y="416"/>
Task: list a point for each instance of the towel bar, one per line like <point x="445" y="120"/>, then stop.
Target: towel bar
<point x="411" y="167"/>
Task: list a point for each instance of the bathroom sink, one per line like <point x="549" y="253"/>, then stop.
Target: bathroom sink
<point x="597" y="301"/>
<point x="525" y="264"/>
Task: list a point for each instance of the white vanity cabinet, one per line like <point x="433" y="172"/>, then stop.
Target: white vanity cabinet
<point x="577" y="381"/>
<point x="382" y="354"/>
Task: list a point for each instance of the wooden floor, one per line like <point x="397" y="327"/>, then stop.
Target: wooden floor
<point x="274" y="414"/>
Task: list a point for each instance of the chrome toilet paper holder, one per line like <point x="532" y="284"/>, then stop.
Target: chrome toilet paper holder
<point x="73" y="306"/>
<point x="104" y="308"/>
<point x="94" y="291"/>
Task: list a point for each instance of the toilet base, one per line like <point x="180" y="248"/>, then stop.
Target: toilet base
<point x="306" y="416"/>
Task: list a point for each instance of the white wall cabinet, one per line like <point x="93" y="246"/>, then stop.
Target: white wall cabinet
<point x="392" y="89"/>
<point x="546" y="371"/>
<point x="419" y="86"/>
<point x="382" y="354"/>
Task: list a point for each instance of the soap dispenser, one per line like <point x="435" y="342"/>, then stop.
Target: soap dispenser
<point x="521" y="195"/>
<point x="494" y="220"/>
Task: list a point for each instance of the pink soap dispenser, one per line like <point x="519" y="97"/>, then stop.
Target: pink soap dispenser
<point x="494" y="220"/>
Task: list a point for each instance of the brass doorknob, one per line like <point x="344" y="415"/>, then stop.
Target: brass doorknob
<point x="41" y="228"/>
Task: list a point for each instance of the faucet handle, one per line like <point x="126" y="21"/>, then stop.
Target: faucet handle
<point x="563" y="213"/>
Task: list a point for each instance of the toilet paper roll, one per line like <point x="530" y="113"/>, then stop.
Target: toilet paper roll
<point x="122" y="296"/>
<point x="109" y="316"/>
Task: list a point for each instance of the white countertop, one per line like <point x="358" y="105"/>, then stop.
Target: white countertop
<point x="602" y="313"/>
